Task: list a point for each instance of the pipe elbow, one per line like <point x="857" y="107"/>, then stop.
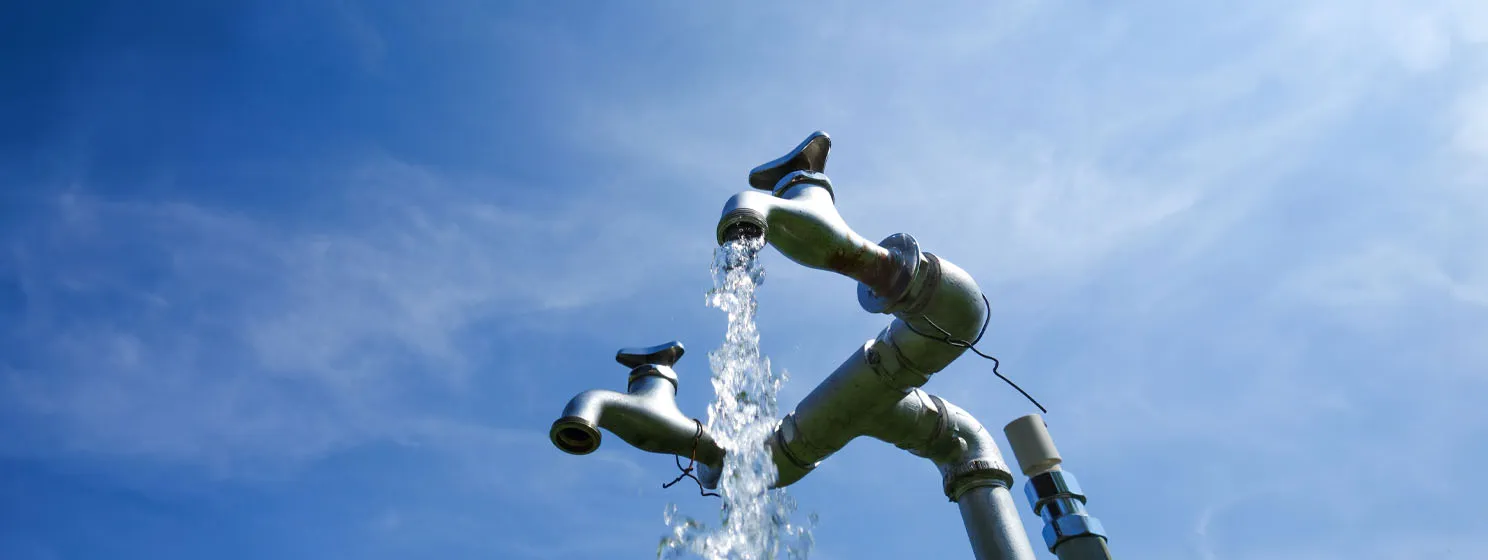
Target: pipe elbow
<point x="952" y="299"/>
<point x="975" y="460"/>
<point x="943" y="302"/>
<point x="962" y="449"/>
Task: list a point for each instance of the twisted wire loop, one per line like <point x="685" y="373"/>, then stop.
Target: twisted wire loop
<point x="691" y="463"/>
<point x="960" y="343"/>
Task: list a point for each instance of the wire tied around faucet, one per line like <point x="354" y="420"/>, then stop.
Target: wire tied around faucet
<point x="947" y="338"/>
<point x="691" y="463"/>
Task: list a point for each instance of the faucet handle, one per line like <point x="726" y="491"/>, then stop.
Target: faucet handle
<point x="811" y="156"/>
<point x="659" y="355"/>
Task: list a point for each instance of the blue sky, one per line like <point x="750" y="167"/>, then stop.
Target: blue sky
<point x="311" y="280"/>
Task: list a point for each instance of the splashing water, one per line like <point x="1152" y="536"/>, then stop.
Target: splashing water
<point x="755" y="521"/>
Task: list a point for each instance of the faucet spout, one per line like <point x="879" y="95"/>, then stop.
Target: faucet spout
<point x="800" y="219"/>
<point x="803" y="224"/>
<point x="645" y="416"/>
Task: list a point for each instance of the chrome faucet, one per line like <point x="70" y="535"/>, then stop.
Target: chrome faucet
<point x="645" y="416"/>
<point x="800" y="220"/>
<point x="875" y="392"/>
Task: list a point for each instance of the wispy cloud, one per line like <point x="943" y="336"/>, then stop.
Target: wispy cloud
<point x="209" y="337"/>
<point x="1236" y="251"/>
<point x="1207" y="252"/>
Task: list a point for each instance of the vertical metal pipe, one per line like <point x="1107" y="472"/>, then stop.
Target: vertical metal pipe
<point x="993" y="525"/>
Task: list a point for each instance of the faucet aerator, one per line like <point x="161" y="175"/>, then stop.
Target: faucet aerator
<point x="574" y="435"/>
<point x="741" y="223"/>
<point x="743" y="230"/>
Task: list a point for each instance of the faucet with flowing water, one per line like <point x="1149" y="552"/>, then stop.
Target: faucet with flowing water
<point x="876" y="391"/>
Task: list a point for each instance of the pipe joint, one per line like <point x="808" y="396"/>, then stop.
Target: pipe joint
<point x="976" y="473"/>
<point x="888" y="364"/>
<point x="890" y="292"/>
<point x="1047" y="486"/>
<point x="795" y="447"/>
<point x="922" y="290"/>
<point x="943" y="303"/>
<point x="1065" y="528"/>
<point x="641" y="373"/>
<point x="1056" y="497"/>
<point x="804" y="177"/>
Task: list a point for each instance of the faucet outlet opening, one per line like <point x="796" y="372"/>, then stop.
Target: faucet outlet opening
<point x="743" y="230"/>
<point x="741" y="223"/>
<point x="574" y="435"/>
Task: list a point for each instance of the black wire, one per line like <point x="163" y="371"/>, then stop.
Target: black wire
<point x="986" y="320"/>
<point x="953" y="341"/>
<point x="691" y="463"/>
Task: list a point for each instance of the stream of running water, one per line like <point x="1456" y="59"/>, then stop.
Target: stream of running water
<point x="755" y="522"/>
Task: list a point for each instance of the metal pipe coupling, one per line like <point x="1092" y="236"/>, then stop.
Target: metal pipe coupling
<point x="1057" y="498"/>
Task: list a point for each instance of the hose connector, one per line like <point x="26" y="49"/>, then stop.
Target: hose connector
<point x="1057" y="498"/>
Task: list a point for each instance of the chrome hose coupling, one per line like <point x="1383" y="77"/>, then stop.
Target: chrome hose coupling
<point x="1057" y="498"/>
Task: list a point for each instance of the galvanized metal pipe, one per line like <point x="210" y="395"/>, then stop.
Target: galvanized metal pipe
<point x="993" y="525"/>
<point x="972" y="470"/>
<point x="855" y="399"/>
